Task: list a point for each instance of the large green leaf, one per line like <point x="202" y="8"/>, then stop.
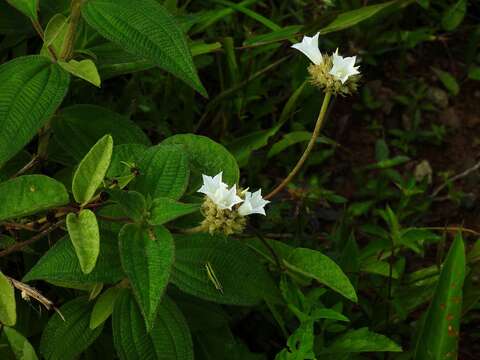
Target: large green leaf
<point x="147" y="256"/>
<point x="243" y="279"/>
<point x="207" y="157"/>
<point x="164" y="210"/>
<point x="92" y="169"/>
<point x="169" y="338"/>
<point x="145" y="28"/>
<point x="60" y="264"/>
<point x="20" y="346"/>
<point x="30" y="194"/>
<point x="31" y="89"/>
<point x="85" y="236"/>
<point x="454" y="15"/>
<point x="353" y="17"/>
<point x="361" y="340"/>
<point x="314" y="264"/>
<point x="27" y="7"/>
<point x="66" y="339"/>
<point x="8" y="310"/>
<point x="77" y="128"/>
<point x="163" y="171"/>
<point x="439" y="336"/>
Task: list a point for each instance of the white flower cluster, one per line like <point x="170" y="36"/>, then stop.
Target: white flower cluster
<point x="224" y="198"/>
<point x="342" y="68"/>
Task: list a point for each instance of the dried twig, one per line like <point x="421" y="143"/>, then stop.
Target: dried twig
<point x="455" y="178"/>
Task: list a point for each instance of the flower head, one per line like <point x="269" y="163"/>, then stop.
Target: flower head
<point x="309" y="47"/>
<point x="217" y="191"/>
<point x="253" y="204"/>
<point x="343" y="67"/>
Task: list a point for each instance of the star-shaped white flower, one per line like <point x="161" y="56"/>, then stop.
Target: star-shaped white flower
<point x="253" y="204"/>
<point x="218" y="192"/>
<point x="343" y="67"/>
<point x="309" y="46"/>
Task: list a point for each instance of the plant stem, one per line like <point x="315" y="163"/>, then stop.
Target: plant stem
<point x="69" y="42"/>
<point x="308" y="150"/>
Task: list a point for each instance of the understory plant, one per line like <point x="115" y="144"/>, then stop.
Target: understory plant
<point x="135" y="224"/>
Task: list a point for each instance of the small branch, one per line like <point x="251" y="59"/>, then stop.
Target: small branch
<point x="35" y="159"/>
<point x="19" y="246"/>
<point x="455" y="178"/>
<point x="308" y="150"/>
<point x="18" y="226"/>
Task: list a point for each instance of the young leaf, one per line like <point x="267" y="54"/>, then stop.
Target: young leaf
<point x="55" y="31"/>
<point x="454" y="15"/>
<point x="103" y="308"/>
<point x="20" y="346"/>
<point x="207" y="157"/>
<point x="66" y="339"/>
<point x="163" y="171"/>
<point x="92" y="170"/>
<point x="243" y="279"/>
<point x="164" y="210"/>
<point x="60" y="264"/>
<point x="31" y="89"/>
<point x="169" y="338"/>
<point x="146" y="29"/>
<point x="84" y="69"/>
<point x="439" y="336"/>
<point x="361" y="340"/>
<point x="147" y="256"/>
<point x="85" y="236"/>
<point x="8" y="310"/>
<point x="317" y="266"/>
<point x="76" y="132"/>
<point x="27" y="7"/>
<point x="29" y="194"/>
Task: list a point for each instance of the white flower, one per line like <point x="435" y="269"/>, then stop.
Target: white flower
<point x="309" y="46"/>
<point x="253" y="204"/>
<point x="343" y="68"/>
<point x="218" y="192"/>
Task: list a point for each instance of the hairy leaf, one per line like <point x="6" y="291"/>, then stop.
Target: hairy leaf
<point x="31" y="89"/>
<point x="65" y="340"/>
<point x="146" y="29"/>
<point x="164" y="210"/>
<point x="92" y="170"/>
<point x="169" y="339"/>
<point x="147" y="256"/>
<point x="85" y="236"/>
<point x="29" y="194"/>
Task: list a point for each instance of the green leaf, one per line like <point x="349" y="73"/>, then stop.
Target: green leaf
<point x="146" y="29"/>
<point x="66" y="339"/>
<point x="163" y="172"/>
<point x="207" y="157"/>
<point x="124" y="157"/>
<point x="13" y="22"/>
<point x="244" y="280"/>
<point x="361" y="340"/>
<point x="132" y="203"/>
<point x="351" y="18"/>
<point x="8" y="309"/>
<point x="26" y="7"/>
<point x="317" y="266"/>
<point x="243" y="147"/>
<point x="474" y="73"/>
<point x="448" y="81"/>
<point x="164" y="210"/>
<point x="31" y="89"/>
<point x="84" y="69"/>
<point x="55" y="31"/>
<point x="454" y="15"/>
<point x="328" y="314"/>
<point x="20" y="346"/>
<point x="77" y="128"/>
<point x="169" y="339"/>
<point x="147" y="256"/>
<point x="103" y="307"/>
<point x="288" y="140"/>
<point x="440" y="334"/>
<point x="85" y="236"/>
<point x="29" y="194"/>
<point x="60" y="264"/>
<point x="92" y="170"/>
